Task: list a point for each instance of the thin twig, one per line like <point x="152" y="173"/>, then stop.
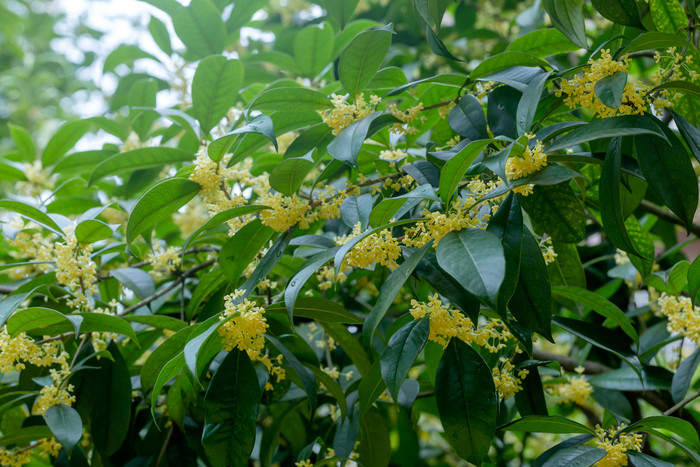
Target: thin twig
<point x="161" y="455"/>
<point x="167" y="289"/>
<point x="682" y="403"/>
<point x="652" y="208"/>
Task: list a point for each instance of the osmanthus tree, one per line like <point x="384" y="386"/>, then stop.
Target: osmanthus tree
<point x="374" y="232"/>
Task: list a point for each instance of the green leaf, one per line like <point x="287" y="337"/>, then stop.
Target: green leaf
<point x="642" y="460"/>
<point x="467" y="118"/>
<point x="241" y="249"/>
<point x="466" y="401"/>
<point x="158" y="321"/>
<point x="110" y="418"/>
<point x="475" y="259"/>
<point x="25" y="435"/>
<point x="531" y="303"/>
<point x="397" y="206"/>
<point x="313" y="49"/>
<point x="356" y="209"/>
<point x="651" y="41"/>
<point x="694" y="279"/>
<point x="556" y="210"/>
<point x="307" y="377"/>
<point x="296" y="283"/>
<point x="690" y="134"/>
<point x="611" y="88"/>
<point x="287" y="176"/>
<point x="387" y="79"/>
<point x="375" y="441"/>
<point x="668" y="15"/>
<point x="341" y="10"/>
<point x="362" y="57"/>
<point x="685" y="86"/>
<point x="23" y="142"/>
<point x="625" y="379"/>
<point x="505" y="60"/>
<point x="567" y="17"/>
<point x="349" y="344"/>
<point x="215" y="87"/>
<point x="684" y="375"/>
<point x="670" y="174"/>
<point x="125" y="54"/>
<point x="371" y="387"/>
<point x="453" y="171"/>
<point x="11" y="303"/>
<point x="546" y="424"/>
<point x="222" y="217"/>
<point x="600" y="305"/>
<point x="605" y="338"/>
<point x="576" y="455"/>
<point x="160" y="35"/>
<point x="261" y="125"/>
<point x="158" y="203"/>
<point x="675" y="425"/>
<point x="139" y="281"/>
<point x="507" y="225"/>
<point x="30" y="319"/>
<point x="318" y="309"/>
<point x="293" y="99"/>
<point x="527" y="107"/>
<point x="623" y="12"/>
<point x="65" y="424"/>
<point x="544" y="42"/>
<point x="161" y="355"/>
<point x="64" y="140"/>
<point x="92" y="230"/>
<point x="32" y="213"/>
<point x="346" y="146"/>
<point x="200" y="27"/>
<point x="401" y="352"/>
<point x="625" y="125"/>
<point x="610" y="189"/>
<point x="231" y="411"/>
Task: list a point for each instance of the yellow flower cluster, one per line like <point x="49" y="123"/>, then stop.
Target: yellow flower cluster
<point x="447" y="322"/>
<point x="531" y="160"/>
<point x="343" y="114"/>
<point x="548" y="252"/>
<point x="580" y="91"/>
<point x="18" y="457"/>
<point x="164" y="261"/>
<point x="576" y="390"/>
<point x="407" y="117"/>
<point x="244" y="328"/>
<point x="677" y="66"/>
<point x="392" y="155"/>
<point x="616" y="448"/>
<point x="304" y="463"/>
<point x="285" y="212"/>
<point x="381" y="248"/>
<point x="75" y="269"/>
<point x="683" y="317"/>
<point x="506" y="381"/>
<point x="459" y="216"/>
<point x="38" y="180"/>
<point x="193" y="216"/>
<point x="29" y="244"/>
<point x="326" y="276"/>
<point x="16" y="352"/>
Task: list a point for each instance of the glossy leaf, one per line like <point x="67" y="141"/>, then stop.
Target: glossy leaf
<point x="626" y="125"/>
<point x="668" y="16"/>
<point x="362" y="58"/>
<point x="567" y="17"/>
<point x="683" y="376"/>
<point x="453" y="171"/>
<point x="318" y="309"/>
<point x="30" y="212"/>
<point x="215" y="87"/>
<point x="467" y="118"/>
<point x="200" y="27"/>
<point x="401" y="353"/>
<point x="65" y="424"/>
<point x="619" y="11"/>
<point x="467" y="401"/>
<point x="241" y="249"/>
<point x="158" y="203"/>
<point x="550" y="424"/>
<point x="556" y="210"/>
<point x="292" y="99"/>
<point x="231" y="411"/>
<point x="475" y="259"/>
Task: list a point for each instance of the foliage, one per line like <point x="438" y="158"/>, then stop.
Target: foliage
<point x="369" y="232"/>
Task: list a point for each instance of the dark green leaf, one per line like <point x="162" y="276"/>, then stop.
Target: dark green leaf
<point x="623" y="12"/>
<point x="467" y="118"/>
<point x="467" y="401"/>
<point x="260" y="125"/>
<point x="475" y="259"/>
<point x="65" y="424"/>
<point x="610" y="89"/>
<point x="556" y="210"/>
<point x="683" y="376"/>
<point x="675" y="425"/>
<point x="318" y="309"/>
<point x="287" y="176"/>
<point x="140" y="282"/>
<point x="401" y="352"/>
<point x="371" y="387"/>
<point x="241" y="249"/>
<point x="567" y="17"/>
<point x="527" y="107"/>
<point x="549" y="424"/>
<point x="505" y="60"/>
<point x="222" y="217"/>
<point x="356" y="209"/>
<point x="453" y="171"/>
<point x="625" y="379"/>
<point x="576" y="456"/>
<point x="625" y="125"/>
<point x="231" y="411"/>
<point x="670" y="174"/>
<point x="30" y="212"/>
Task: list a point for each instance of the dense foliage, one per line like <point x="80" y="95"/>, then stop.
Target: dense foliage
<point x="365" y="233"/>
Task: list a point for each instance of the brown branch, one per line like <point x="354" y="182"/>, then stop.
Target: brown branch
<point x="570" y="363"/>
<point x="682" y="403"/>
<point x="161" y="455"/>
<point x="661" y="213"/>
